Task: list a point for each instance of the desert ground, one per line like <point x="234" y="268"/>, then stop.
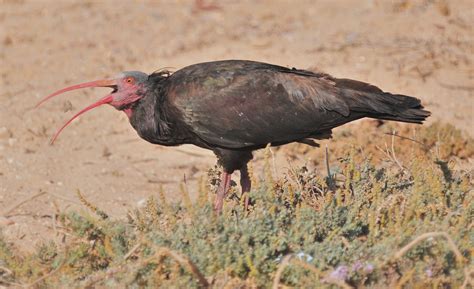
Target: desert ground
<point x="421" y="48"/>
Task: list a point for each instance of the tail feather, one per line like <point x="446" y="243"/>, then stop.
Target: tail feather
<point x="389" y="106"/>
<point x="370" y="101"/>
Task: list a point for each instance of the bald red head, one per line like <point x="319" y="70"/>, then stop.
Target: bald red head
<point x="127" y="89"/>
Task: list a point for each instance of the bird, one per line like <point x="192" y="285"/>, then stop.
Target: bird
<point x="234" y="107"/>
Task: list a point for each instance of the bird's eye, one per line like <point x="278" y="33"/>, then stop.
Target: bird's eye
<point x="129" y="80"/>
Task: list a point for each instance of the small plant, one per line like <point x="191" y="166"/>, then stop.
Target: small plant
<point x="405" y="225"/>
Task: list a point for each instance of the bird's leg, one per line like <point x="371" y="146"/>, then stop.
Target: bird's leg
<point x="246" y="184"/>
<point x="224" y="187"/>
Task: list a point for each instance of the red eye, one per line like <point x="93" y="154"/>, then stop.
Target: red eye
<point x="129" y="80"/>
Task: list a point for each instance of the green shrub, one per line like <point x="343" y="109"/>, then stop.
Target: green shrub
<point x="368" y="226"/>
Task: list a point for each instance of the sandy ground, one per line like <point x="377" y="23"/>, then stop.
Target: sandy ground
<point x="420" y="48"/>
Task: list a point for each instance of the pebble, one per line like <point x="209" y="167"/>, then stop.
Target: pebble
<point x="369" y="268"/>
<point x="11" y="141"/>
<point x="341" y="273"/>
<point x="141" y="203"/>
<point x="304" y="256"/>
<point x="4" y="132"/>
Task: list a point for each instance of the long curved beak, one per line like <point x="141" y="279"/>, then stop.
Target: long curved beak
<point x="112" y="83"/>
<point x="104" y="100"/>
<point x="99" y="83"/>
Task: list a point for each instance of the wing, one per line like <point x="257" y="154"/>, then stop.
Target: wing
<point x="238" y="104"/>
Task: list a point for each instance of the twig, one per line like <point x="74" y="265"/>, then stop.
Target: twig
<point x="307" y="266"/>
<point x="183" y="261"/>
<point x="405" y="278"/>
<point x="147" y="160"/>
<point x="54" y="219"/>
<point x="384" y="151"/>
<point x="144" y="175"/>
<point x="408" y="138"/>
<point x="129" y="253"/>
<point x="467" y="278"/>
<point x="64" y="198"/>
<point x="92" y="280"/>
<point x="5" y="282"/>
<point x="422" y="237"/>
<point x="389" y="156"/>
<point x="160" y="251"/>
<point x="284" y="263"/>
<point x="452" y="86"/>
<point x="194" y="154"/>
<point x="91" y="206"/>
<point x="6" y="270"/>
<point x="393" y="153"/>
<point x="315" y="270"/>
<point x="269" y="174"/>
<point x="50" y="273"/>
<point x="326" y="157"/>
<point x="43" y="277"/>
<point x="339" y="283"/>
<point x="289" y="259"/>
<point x="294" y="174"/>
<point x="331" y="183"/>
<point x="275" y="173"/>
<point x="8" y="211"/>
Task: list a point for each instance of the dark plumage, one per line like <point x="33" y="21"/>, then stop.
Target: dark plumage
<point x="234" y="107"/>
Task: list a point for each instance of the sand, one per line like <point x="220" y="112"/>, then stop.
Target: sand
<point x="419" y="48"/>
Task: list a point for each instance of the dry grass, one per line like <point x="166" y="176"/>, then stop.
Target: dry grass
<point x="396" y="217"/>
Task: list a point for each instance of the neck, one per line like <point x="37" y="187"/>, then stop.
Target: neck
<point x="128" y="112"/>
<point x="150" y="116"/>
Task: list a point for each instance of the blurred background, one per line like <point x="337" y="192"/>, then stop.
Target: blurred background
<point x="423" y="48"/>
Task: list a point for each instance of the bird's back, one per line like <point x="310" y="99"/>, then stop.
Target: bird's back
<point x="239" y="104"/>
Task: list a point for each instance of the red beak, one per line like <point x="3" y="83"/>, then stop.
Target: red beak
<point x="99" y="83"/>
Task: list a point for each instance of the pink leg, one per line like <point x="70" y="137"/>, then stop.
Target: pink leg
<point x="246" y="184"/>
<point x="224" y="187"/>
